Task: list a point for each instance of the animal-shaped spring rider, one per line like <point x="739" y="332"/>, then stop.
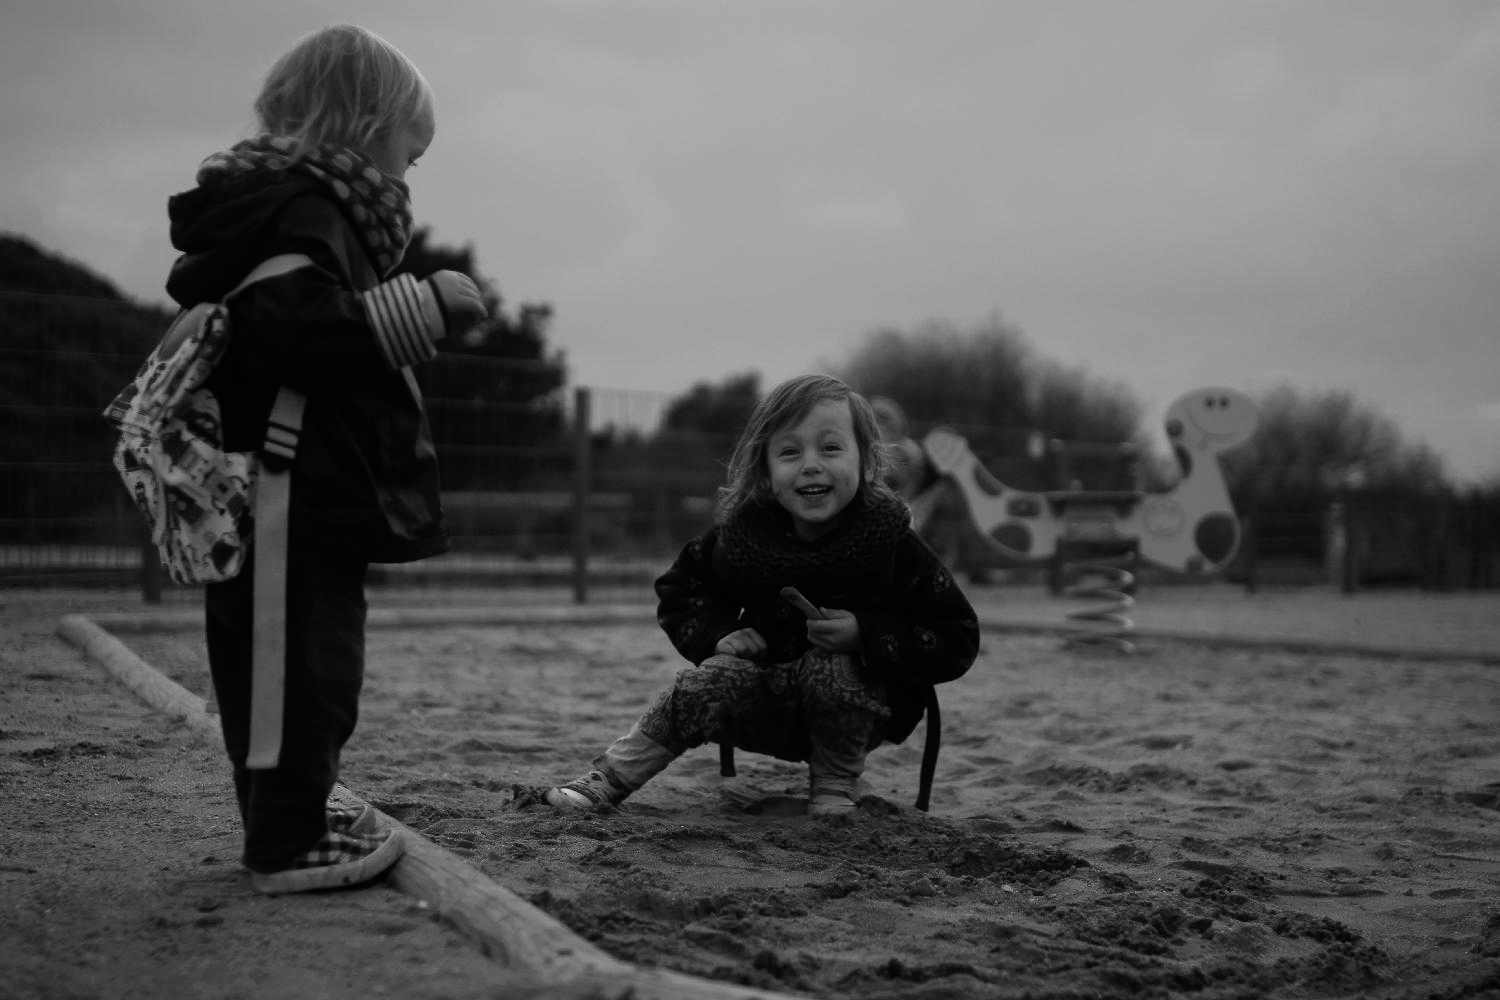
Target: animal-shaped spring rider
<point x="1191" y="528"/>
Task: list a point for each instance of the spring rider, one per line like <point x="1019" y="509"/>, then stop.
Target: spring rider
<point x="1190" y="528"/>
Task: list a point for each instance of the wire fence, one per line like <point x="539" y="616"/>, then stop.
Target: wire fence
<point x="590" y="489"/>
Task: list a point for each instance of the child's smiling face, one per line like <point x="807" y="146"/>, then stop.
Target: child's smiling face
<point x="814" y="466"/>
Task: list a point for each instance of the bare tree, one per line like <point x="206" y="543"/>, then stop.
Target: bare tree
<point x="720" y="409"/>
<point x="1074" y="405"/>
<point x="1316" y="443"/>
<point x="990" y="376"/>
<point x="942" y="374"/>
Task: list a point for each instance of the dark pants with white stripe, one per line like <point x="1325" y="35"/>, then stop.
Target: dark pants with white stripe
<point x="284" y="808"/>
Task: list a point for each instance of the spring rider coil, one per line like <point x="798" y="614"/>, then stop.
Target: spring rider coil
<point x="1102" y="625"/>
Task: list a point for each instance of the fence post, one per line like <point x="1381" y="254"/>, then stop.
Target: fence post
<point x="1491" y="509"/>
<point x="581" y="487"/>
<point x="1429" y="517"/>
<point x="1056" y="578"/>
<point x="1249" y="540"/>
<point x="1351" y="561"/>
<point x="1478" y="542"/>
<point x="1247" y="548"/>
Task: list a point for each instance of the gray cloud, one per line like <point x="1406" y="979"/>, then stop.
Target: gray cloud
<point x="1172" y="192"/>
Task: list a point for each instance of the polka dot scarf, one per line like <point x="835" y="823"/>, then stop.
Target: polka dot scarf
<point x="379" y="204"/>
<point x="852" y="559"/>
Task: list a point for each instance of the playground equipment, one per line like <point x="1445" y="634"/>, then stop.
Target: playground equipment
<point x="1190" y="528"/>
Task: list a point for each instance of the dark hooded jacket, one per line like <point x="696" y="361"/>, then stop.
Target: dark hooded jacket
<point x="365" y="480"/>
<point x="917" y="628"/>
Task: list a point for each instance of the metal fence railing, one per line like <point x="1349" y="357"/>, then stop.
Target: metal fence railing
<point x="582" y="489"/>
<point x="573" y="488"/>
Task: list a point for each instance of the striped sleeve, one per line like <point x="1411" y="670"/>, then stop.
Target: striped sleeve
<point x="400" y="317"/>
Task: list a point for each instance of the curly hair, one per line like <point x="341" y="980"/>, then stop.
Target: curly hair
<point x="341" y="86"/>
<point x="747" y="478"/>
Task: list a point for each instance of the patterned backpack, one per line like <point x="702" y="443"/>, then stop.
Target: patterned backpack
<point x="197" y="498"/>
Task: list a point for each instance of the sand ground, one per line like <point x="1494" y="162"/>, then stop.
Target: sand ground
<point x="1252" y="816"/>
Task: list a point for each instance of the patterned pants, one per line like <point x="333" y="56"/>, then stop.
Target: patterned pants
<point x="816" y="709"/>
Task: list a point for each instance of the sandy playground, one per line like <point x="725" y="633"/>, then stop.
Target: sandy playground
<point x="1197" y="820"/>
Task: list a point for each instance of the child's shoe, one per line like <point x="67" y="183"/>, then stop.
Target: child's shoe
<point x="591" y="791"/>
<point x="340" y="861"/>
<point x="830" y="802"/>
<point x="347" y="814"/>
<point x="830" y="783"/>
<point x="627" y="764"/>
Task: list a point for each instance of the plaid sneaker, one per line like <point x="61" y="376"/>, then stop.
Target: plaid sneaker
<point x="339" y="861"/>
<point x="347" y="814"/>
<point x="592" y="791"/>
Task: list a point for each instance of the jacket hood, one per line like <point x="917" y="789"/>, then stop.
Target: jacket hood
<point x="222" y="231"/>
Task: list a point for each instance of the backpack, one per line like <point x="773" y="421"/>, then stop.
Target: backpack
<point x="197" y="498"/>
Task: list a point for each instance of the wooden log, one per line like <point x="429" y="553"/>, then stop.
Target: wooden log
<point x="637" y="984"/>
<point x="149" y="684"/>
<point x="510" y="930"/>
<point x="533" y="944"/>
<point x="191" y="619"/>
<point x="664" y="984"/>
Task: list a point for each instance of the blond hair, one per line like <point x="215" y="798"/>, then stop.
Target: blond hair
<point x="341" y="86"/>
<point x="748" y="481"/>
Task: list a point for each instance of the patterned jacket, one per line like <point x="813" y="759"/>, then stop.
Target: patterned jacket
<point x="916" y="627"/>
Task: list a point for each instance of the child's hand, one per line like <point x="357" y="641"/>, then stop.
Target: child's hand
<point x="836" y="632"/>
<point x="747" y="644"/>
<point x="459" y="299"/>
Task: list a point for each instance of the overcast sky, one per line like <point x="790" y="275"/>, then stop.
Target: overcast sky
<point x="1170" y="193"/>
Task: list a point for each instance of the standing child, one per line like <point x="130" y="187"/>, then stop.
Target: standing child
<point x="806" y="504"/>
<point x="343" y="116"/>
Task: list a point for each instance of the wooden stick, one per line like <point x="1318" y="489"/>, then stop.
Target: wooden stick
<point x="794" y="596"/>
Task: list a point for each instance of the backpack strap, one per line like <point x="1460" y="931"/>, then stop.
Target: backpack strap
<point x="273" y="505"/>
<point x="270" y="268"/>
<point x="273" y="502"/>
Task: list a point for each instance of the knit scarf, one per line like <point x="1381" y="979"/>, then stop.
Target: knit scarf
<point x="378" y="204"/>
<point x="854" y="558"/>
